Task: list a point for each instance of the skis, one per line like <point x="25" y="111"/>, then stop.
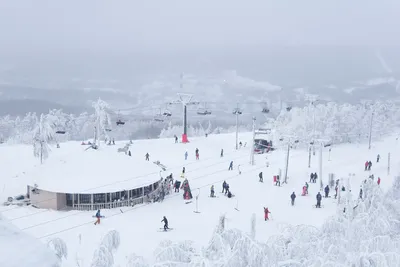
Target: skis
<point x="188" y="202"/>
<point x="163" y="230"/>
<point x="315" y="206"/>
<point x="213" y="197"/>
<point x="100" y="216"/>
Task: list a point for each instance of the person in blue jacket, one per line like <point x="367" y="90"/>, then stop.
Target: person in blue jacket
<point x="98" y="216"/>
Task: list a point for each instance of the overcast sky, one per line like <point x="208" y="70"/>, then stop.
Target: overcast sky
<point x="40" y="25"/>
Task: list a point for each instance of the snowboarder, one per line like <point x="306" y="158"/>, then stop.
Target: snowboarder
<point x="230" y="166"/>
<point x="369" y="165"/>
<point x="176" y="139"/>
<point x="366" y="165"/>
<point x="226" y="188"/>
<point x="293" y="197"/>
<point x="98" y="216"/>
<point x="260" y="175"/>
<point x="311" y="177"/>
<point x="186" y="155"/>
<point x="197" y="153"/>
<point x="165" y="221"/>
<point x="379" y="180"/>
<point x="319" y="198"/>
<point x="147" y="156"/>
<point x="326" y="191"/>
<point x="212" y="191"/>
<point x="266" y="212"/>
<point x="223" y="187"/>
<point x="378" y="158"/>
<point x="222" y="153"/>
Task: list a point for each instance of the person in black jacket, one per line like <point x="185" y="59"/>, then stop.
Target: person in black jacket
<point x="165" y="221"/>
<point x="326" y="191"/>
<point x="319" y="198"/>
<point x="260" y="175"/>
<point x="293" y="197"/>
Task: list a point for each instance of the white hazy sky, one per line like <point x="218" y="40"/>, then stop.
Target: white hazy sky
<point x="49" y="25"/>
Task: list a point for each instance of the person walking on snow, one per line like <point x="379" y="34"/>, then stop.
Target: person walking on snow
<point x="186" y="155"/>
<point x="293" y="197"/>
<point x="165" y="221"/>
<point x="98" y="216"/>
<point x="306" y="188"/>
<point x="361" y="192"/>
<point x="311" y="177"/>
<point x="183" y="172"/>
<point x="227" y="188"/>
<point x="212" y="194"/>
<point x="326" y="191"/>
<point x="266" y="212"/>
<point x="176" y="139"/>
<point x="315" y="177"/>
<point x="379" y="180"/>
<point x="147" y="156"/>
<point x="260" y="175"/>
<point x="222" y="153"/>
<point x="319" y="198"/>
<point x="366" y="165"/>
<point x="369" y="165"/>
<point x="197" y="153"/>
<point x="378" y="158"/>
<point x="230" y="166"/>
<point x="223" y="187"/>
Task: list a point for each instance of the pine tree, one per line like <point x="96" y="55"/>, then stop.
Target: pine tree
<point x="42" y="135"/>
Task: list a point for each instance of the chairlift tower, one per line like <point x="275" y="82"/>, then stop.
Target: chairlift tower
<point x="185" y="100"/>
<point x="237" y="112"/>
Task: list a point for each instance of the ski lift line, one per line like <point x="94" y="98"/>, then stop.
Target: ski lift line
<point x="141" y="206"/>
<point x="121" y="181"/>
<point x="80" y="212"/>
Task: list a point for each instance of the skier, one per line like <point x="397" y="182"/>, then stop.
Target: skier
<point x="165" y="221"/>
<point x="319" y="198"/>
<point x="98" y="216"/>
<point x="315" y="177"/>
<point x="366" y="165"/>
<point x="293" y="197"/>
<point x="176" y="139"/>
<point x="378" y="158"/>
<point x="147" y="156"/>
<point x="369" y="165"/>
<point x="222" y="153"/>
<point x="266" y="211"/>
<point x="129" y="153"/>
<point x="278" y="182"/>
<point x="230" y="166"/>
<point x="304" y="191"/>
<point x="260" y="175"/>
<point x="197" y="153"/>
<point x="361" y="192"/>
<point x="326" y="191"/>
<point x="186" y="155"/>
<point x="223" y="186"/>
<point x="212" y="191"/>
<point x="183" y="172"/>
<point x="311" y="177"/>
<point x="379" y="180"/>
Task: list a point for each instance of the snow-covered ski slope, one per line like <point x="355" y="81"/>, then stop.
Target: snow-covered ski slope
<point x="138" y="226"/>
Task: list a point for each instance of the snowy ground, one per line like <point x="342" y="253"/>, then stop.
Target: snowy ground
<point x="138" y="226"/>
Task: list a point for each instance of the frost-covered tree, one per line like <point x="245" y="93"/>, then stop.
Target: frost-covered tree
<point x="103" y="256"/>
<point x="59" y="247"/>
<point x="42" y="135"/>
<point x="102" y="120"/>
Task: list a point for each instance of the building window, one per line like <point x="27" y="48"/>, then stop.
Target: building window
<point x="85" y="199"/>
<point x="69" y="199"/>
<point x="99" y="198"/>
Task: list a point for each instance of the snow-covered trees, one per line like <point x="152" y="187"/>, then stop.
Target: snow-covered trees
<point x="42" y="135"/>
<point x="59" y="247"/>
<point x="103" y="256"/>
<point x="102" y="118"/>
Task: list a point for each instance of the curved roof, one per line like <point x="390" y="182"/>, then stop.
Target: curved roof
<point x="73" y="169"/>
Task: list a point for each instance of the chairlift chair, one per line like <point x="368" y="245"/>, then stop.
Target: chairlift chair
<point x="288" y="108"/>
<point x="203" y="111"/>
<point x="167" y="113"/>
<point x="237" y="111"/>
<point x="119" y="122"/>
<point x="158" y="118"/>
<point x="265" y="110"/>
<point x="60" y="132"/>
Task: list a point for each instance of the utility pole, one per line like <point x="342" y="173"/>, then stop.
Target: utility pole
<point x="370" y="130"/>
<point x="252" y="142"/>
<point x="237" y="112"/>
<point x="287" y="163"/>
<point x="320" y="166"/>
<point x="309" y="157"/>
<point x="185" y="100"/>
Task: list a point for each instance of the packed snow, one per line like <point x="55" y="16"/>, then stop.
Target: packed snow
<point x="138" y="227"/>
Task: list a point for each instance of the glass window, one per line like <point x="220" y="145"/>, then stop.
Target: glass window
<point x="99" y="198"/>
<point x="85" y="199"/>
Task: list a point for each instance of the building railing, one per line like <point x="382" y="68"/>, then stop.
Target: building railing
<point x="117" y="204"/>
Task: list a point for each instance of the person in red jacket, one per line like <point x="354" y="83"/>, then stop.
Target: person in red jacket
<point x="379" y="180"/>
<point x="266" y="211"/>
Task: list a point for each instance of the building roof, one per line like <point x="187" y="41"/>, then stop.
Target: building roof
<point x="72" y="169"/>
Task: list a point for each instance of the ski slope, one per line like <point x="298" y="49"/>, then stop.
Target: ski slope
<point x="138" y="226"/>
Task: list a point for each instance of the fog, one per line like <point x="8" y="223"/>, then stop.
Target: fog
<point x="128" y="27"/>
